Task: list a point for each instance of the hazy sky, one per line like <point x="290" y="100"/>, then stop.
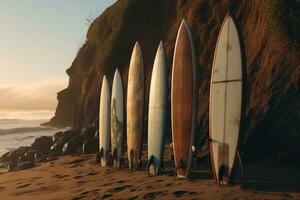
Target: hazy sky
<point x="38" y="41"/>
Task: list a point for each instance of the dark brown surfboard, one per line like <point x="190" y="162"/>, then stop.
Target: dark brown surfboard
<point x="183" y="99"/>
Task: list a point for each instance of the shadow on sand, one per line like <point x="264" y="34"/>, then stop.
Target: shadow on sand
<point x="272" y="177"/>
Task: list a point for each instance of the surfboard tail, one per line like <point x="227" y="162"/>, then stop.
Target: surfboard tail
<point x="151" y="167"/>
<point x="150" y="162"/>
<point x="101" y="153"/>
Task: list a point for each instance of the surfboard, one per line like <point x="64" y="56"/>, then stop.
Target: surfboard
<point x="135" y="107"/>
<point x="104" y="122"/>
<point x="225" y="104"/>
<point x="117" y="113"/>
<point x="183" y="99"/>
<point x="157" y="114"/>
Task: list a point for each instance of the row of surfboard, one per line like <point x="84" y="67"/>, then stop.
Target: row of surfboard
<point x="225" y="106"/>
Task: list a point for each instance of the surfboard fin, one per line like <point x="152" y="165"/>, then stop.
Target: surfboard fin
<point x="223" y="179"/>
<point x="181" y="165"/>
<point x="150" y="162"/>
<point x="101" y="152"/>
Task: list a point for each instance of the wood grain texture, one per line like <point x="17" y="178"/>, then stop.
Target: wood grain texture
<point x="183" y="98"/>
<point x="135" y="107"/>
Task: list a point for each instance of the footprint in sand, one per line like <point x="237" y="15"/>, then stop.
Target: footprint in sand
<point x="23" y="186"/>
<point x="96" y="190"/>
<point x="60" y="176"/>
<point x="152" y="195"/>
<point x="133" y="198"/>
<point x="77" y="161"/>
<point x="193" y="193"/>
<point x="105" y="196"/>
<point x="92" y="174"/>
<point x="81" y="182"/>
<point x="107" y="184"/>
<point x="132" y="190"/>
<point x="119" y="189"/>
<point x="76" y="198"/>
<point x="85" y="193"/>
<point x="180" y="193"/>
<point x="78" y="177"/>
<point x="149" y="187"/>
<point x="108" y="172"/>
<point x="121" y="181"/>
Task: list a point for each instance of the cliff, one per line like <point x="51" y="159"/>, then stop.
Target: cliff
<point x="270" y="30"/>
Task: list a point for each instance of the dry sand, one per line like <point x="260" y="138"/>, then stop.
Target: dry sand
<point x="78" y="177"/>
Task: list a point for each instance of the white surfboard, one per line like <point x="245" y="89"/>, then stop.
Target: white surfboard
<point x="117" y="113"/>
<point x="225" y="101"/>
<point x="104" y="122"/>
<point x="135" y="107"/>
<point x="157" y="115"/>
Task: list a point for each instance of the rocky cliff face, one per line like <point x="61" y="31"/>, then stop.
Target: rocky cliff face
<point x="270" y="30"/>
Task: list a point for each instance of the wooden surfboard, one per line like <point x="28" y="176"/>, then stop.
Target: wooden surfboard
<point x="135" y="107"/>
<point x="183" y="99"/>
<point x="104" y="122"/>
<point x="157" y="115"/>
<point x="117" y="113"/>
<point x="225" y="104"/>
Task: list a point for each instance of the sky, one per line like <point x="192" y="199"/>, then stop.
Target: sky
<point x="39" y="40"/>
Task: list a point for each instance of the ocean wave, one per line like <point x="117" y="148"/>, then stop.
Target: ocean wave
<point x="24" y="130"/>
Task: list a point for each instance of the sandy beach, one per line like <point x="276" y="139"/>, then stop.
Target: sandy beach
<point x="79" y="177"/>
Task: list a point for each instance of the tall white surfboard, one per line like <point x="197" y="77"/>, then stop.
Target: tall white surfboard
<point x="117" y="123"/>
<point x="157" y="115"/>
<point x="225" y="106"/>
<point x="104" y="122"/>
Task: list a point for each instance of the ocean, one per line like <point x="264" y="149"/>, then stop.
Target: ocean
<point x="15" y="133"/>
